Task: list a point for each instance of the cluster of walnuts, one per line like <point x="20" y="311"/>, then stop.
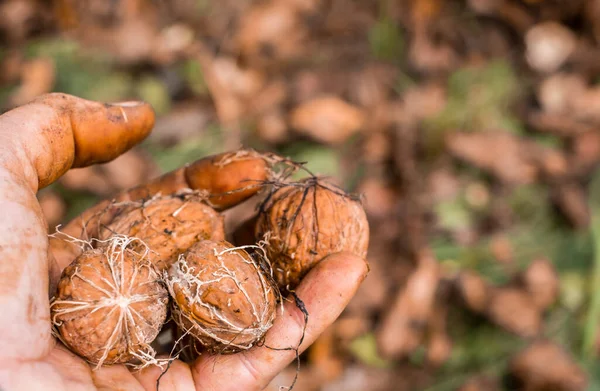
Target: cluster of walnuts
<point x="165" y="257"/>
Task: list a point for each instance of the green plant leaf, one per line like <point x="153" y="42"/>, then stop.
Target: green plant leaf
<point x="364" y="348"/>
<point x="386" y="40"/>
<point x="593" y="314"/>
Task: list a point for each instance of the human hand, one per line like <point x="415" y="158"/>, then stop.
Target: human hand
<point x="40" y="142"/>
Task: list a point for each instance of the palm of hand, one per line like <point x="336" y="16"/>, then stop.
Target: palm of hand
<point x="41" y="141"/>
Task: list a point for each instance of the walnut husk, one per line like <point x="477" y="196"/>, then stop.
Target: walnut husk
<point x="222" y="296"/>
<point x="305" y="221"/>
<point x="111" y="304"/>
<point x="169" y="225"/>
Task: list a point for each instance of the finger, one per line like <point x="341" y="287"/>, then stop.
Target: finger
<point x="60" y="370"/>
<point x="325" y="291"/>
<point x="115" y="377"/>
<point x="226" y="179"/>
<point x="73" y="371"/>
<point x="178" y="377"/>
<point x="40" y="141"/>
<point x="74" y="132"/>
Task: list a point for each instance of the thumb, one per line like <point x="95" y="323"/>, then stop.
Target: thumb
<point x="63" y="131"/>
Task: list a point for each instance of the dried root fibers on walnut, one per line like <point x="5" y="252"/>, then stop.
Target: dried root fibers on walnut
<point x="111" y="304"/>
<point x="305" y="221"/>
<point x="222" y="296"/>
<point x="169" y="225"/>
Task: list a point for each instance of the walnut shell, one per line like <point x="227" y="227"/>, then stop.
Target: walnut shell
<point x="221" y="296"/>
<point x="110" y="304"/>
<point x="306" y="221"/>
<point x="168" y="225"/>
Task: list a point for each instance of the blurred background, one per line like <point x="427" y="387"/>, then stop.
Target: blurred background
<point x="471" y="128"/>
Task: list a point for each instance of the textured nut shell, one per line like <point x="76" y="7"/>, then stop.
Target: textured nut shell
<point x="168" y="225"/>
<point x="221" y="296"/>
<point x="107" y="313"/>
<point x="306" y="223"/>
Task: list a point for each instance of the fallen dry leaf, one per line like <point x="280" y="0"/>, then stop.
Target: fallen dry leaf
<point x="327" y="119"/>
<point x="271" y="31"/>
<point x="323" y="356"/>
<point x="37" y="78"/>
<point x="546" y="366"/>
<point x="514" y="310"/>
<point x="548" y="45"/>
<point x="272" y="127"/>
<point x="439" y="344"/>
<point x="405" y="323"/>
<point x="501" y="153"/>
<point x="480" y="383"/>
<point x="540" y="280"/>
<point x="474" y="291"/>
<point x="572" y="201"/>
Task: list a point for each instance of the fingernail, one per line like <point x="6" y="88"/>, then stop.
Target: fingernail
<point x="132" y="103"/>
